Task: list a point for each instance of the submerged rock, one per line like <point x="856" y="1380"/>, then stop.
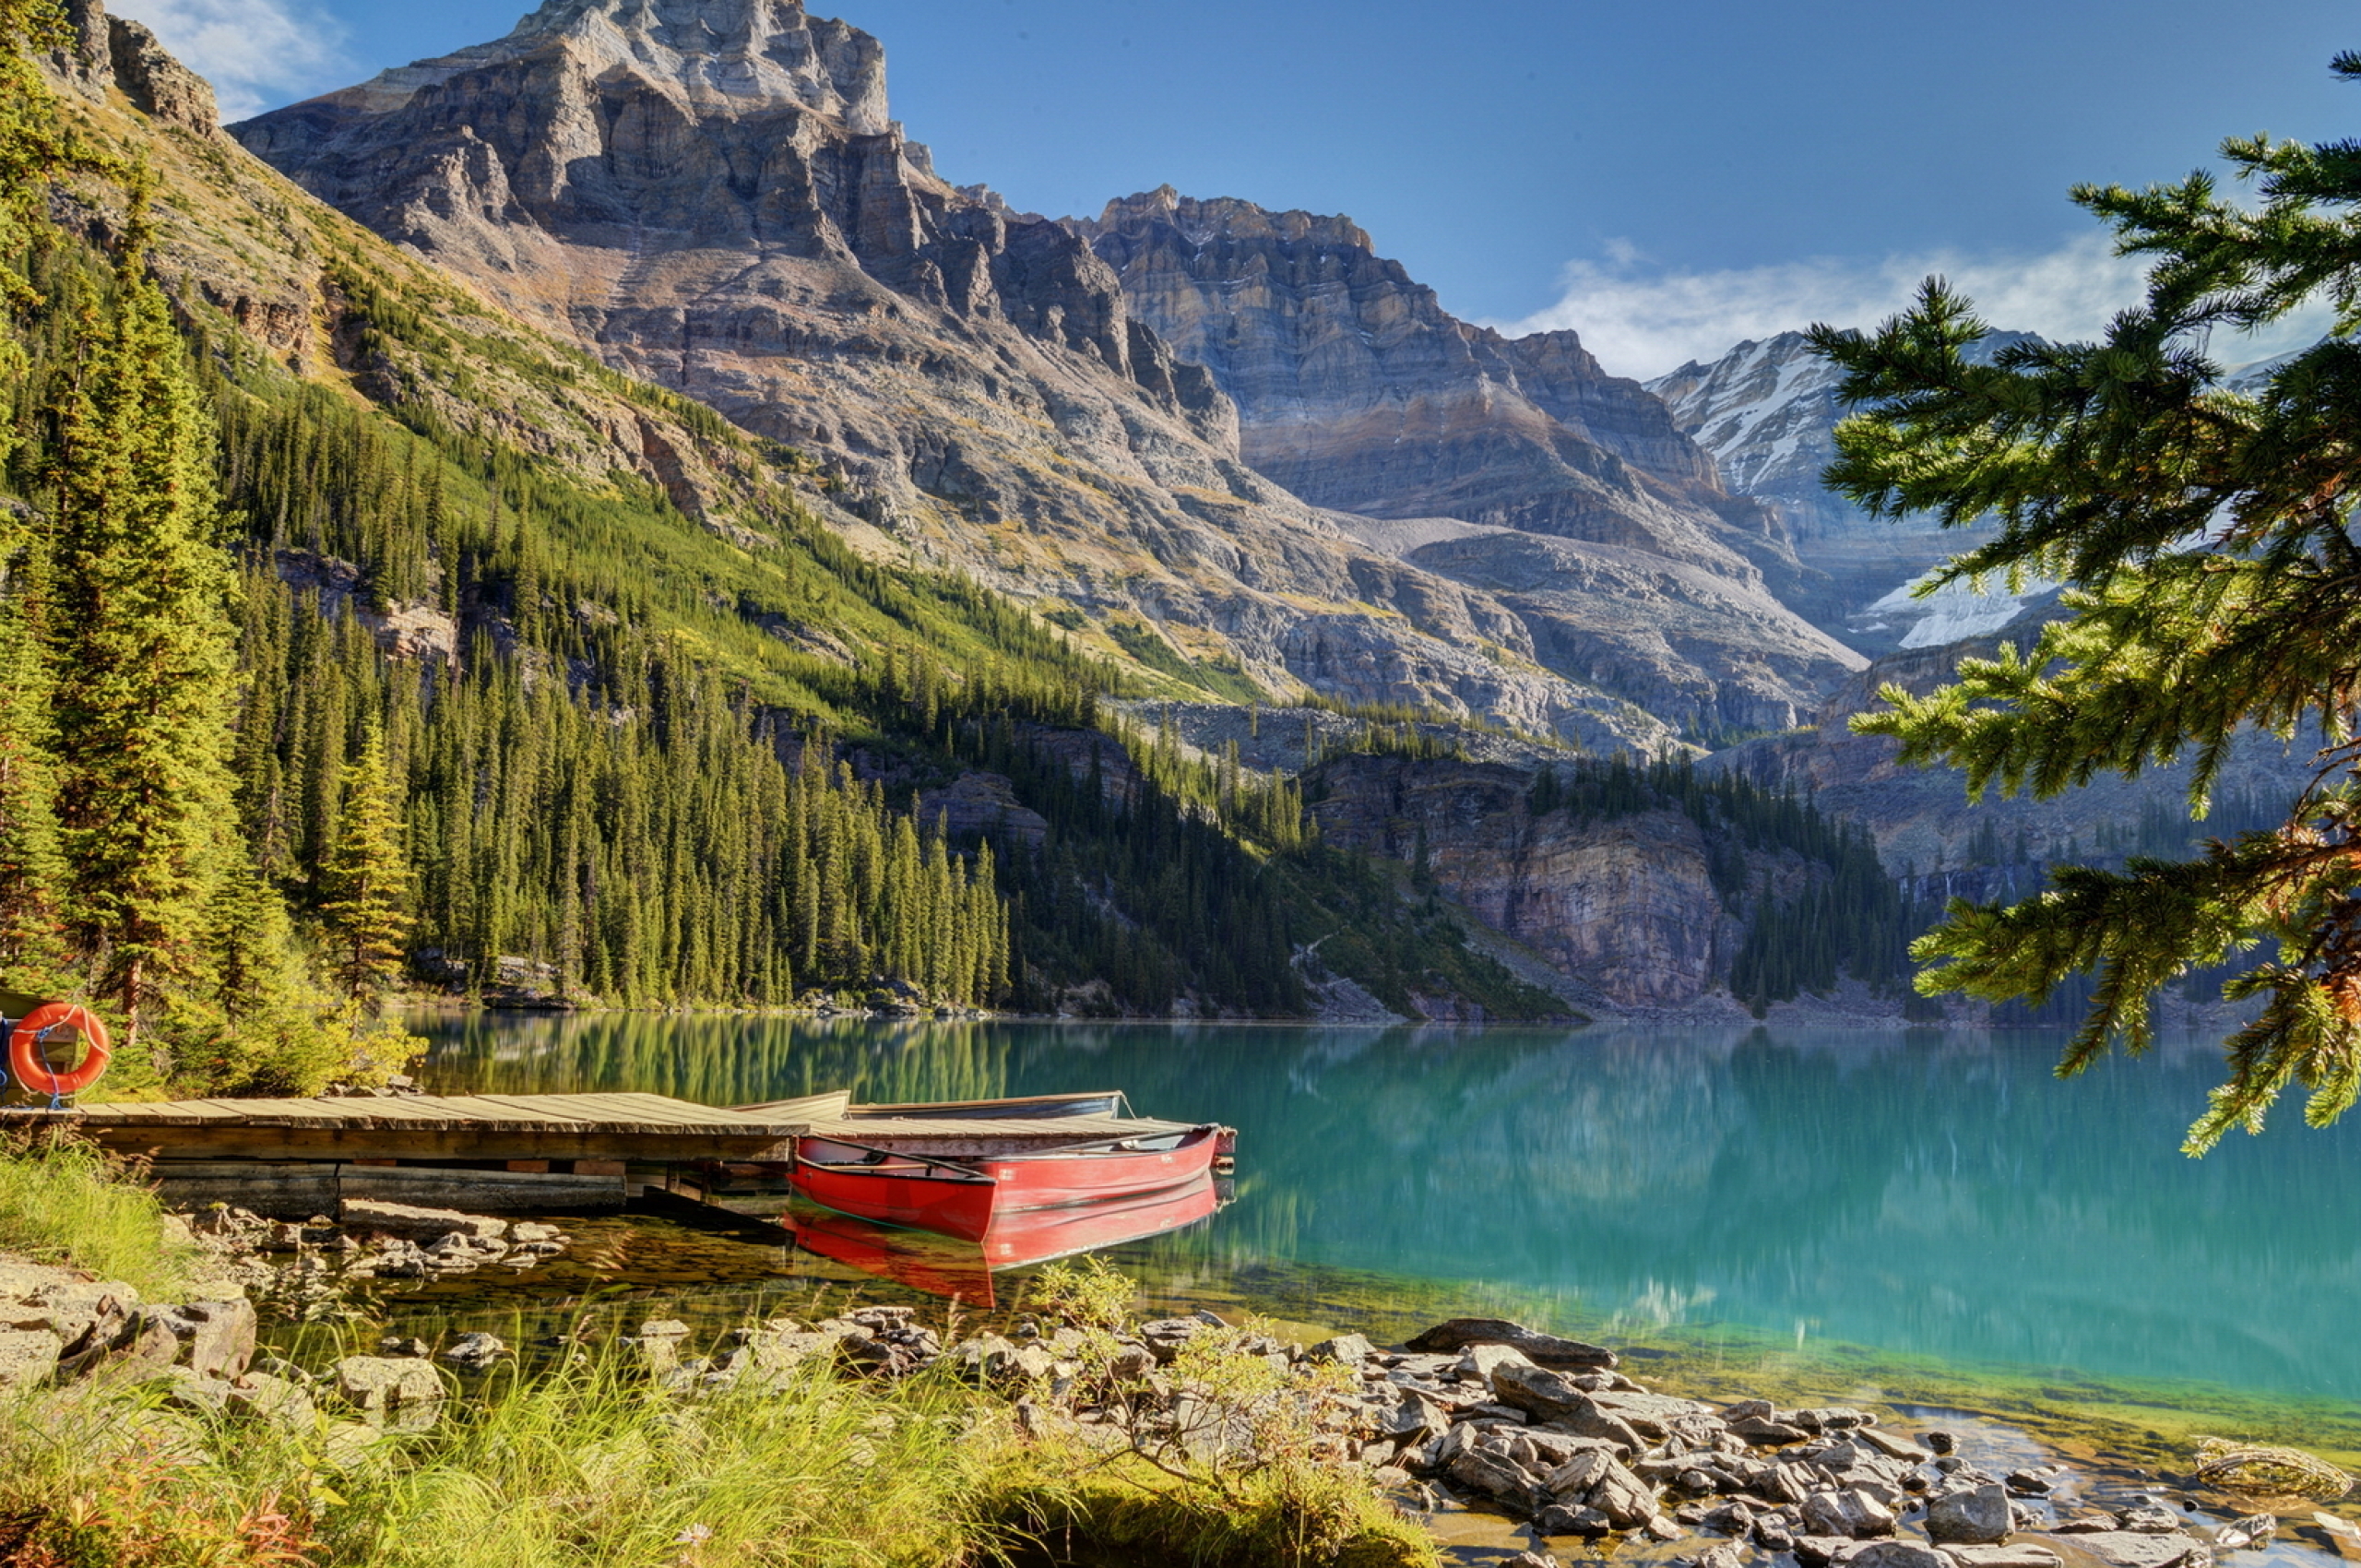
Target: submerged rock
<point x="1543" y="1350"/>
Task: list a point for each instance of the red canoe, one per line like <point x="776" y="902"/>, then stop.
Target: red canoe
<point x="943" y="1266"/>
<point x="963" y="1198"/>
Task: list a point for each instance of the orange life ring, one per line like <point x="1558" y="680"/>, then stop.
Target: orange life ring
<point x="24" y="1049"/>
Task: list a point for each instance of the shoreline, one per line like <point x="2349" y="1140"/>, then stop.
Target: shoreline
<point x="1489" y="1434"/>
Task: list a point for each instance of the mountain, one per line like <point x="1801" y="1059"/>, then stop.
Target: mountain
<point x="709" y="194"/>
<point x="1515" y="466"/>
<point x="1766" y="414"/>
<point x="656" y="729"/>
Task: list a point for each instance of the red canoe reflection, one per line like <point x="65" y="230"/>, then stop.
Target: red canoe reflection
<point x="943" y="1266"/>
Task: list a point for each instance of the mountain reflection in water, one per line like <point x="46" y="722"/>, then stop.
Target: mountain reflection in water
<point x="1934" y="1193"/>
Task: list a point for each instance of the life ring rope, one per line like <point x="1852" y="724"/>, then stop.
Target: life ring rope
<point x="25" y="1060"/>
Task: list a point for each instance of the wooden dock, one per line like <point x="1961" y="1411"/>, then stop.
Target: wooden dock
<point x="555" y="1152"/>
<point x="602" y="1128"/>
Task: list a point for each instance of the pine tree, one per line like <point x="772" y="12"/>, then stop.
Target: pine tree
<point x="143" y="644"/>
<point x="2210" y="544"/>
<point x="33" y="951"/>
<point x="364" y="878"/>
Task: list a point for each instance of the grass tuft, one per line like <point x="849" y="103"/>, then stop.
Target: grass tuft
<point x="66" y="1203"/>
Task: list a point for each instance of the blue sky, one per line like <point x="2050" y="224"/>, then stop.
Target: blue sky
<point x="1664" y="175"/>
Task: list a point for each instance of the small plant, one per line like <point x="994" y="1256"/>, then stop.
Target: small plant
<point x="1087" y="1292"/>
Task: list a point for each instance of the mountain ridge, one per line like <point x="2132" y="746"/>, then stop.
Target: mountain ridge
<point x="1580" y="503"/>
<point x="968" y="378"/>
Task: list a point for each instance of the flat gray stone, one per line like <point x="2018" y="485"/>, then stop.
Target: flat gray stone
<point x="1977" y="1516"/>
<point x="1894" y="1554"/>
<point x="2136" y="1549"/>
<point x="2022" y="1555"/>
<point x="26" y="1356"/>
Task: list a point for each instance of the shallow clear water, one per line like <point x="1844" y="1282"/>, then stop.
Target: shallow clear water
<point x="1920" y="1196"/>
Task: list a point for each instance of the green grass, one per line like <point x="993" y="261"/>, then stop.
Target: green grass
<point x="591" y="1466"/>
<point x="587" y="1463"/>
<point x="69" y="1204"/>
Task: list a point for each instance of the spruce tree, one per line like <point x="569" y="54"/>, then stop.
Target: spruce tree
<point x="2209" y="542"/>
<point x="33" y="951"/>
<point x="364" y="877"/>
<point x="144" y="645"/>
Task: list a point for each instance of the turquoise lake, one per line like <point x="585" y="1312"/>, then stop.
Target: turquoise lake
<point x="1934" y="1195"/>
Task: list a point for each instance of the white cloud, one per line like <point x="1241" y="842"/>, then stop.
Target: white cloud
<point x="256" y="52"/>
<point x="1643" y="322"/>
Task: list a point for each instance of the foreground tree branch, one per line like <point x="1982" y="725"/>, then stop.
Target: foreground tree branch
<point x="2214" y="588"/>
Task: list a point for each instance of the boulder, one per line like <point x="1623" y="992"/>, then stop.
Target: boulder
<point x="277" y="1400"/>
<point x="1412" y="1418"/>
<point x="1723" y="1554"/>
<point x="659" y="1342"/>
<point x="1973" y="1516"/>
<point x="2151" y="1518"/>
<point x="1544" y="1349"/>
<point x="1497" y="1476"/>
<point x="2140" y="1549"/>
<point x="1574" y="1478"/>
<point x="26" y="1356"/>
<point x="1480" y="1362"/>
<point x="1651" y="1414"/>
<point x="474" y="1353"/>
<point x="1894" y="1447"/>
<point x="783" y="1343"/>
<point x="1626" y="1500"/>
<point x="1897" y="1554"/>
<point x="396" y="1394"/>
<point x="1351" y="1349"/>
<point x="1165" y="1335"/>
<point x="1763" y="1432"/>
<point x="215" y="1339"/>
<point x="1849" y="1511"/>
<point x="1545" y="1394"/>
<point x="1558" y="1519"/>
<point x="1831" y="1418"/>
<point x="2024" y="1555"/>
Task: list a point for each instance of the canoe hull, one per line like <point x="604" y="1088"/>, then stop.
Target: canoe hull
<point x="965" y="1199"/>
<point x="962" y="1270"/>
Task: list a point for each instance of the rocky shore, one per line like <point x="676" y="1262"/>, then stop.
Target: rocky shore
<point x="1474" y="1414"/>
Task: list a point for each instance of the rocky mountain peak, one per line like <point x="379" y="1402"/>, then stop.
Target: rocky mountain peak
<point x="715" y="54"/>
<point x="116" y="51"/>
<point x="1226" y="218"/>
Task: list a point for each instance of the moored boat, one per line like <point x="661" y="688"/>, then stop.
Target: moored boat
<point x="963" y="1198"/>
<point x="943" y="1266"/>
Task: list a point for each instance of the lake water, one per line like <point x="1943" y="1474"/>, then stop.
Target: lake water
<point x="1924" y="1197"/>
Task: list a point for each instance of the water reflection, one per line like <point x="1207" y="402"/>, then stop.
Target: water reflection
<point x="1930" y="1194"/>
<point x="963" y="1271"/>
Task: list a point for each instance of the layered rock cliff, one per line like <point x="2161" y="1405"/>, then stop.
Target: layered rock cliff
<point x="709" y="194"/>
<point x="1515" y="465"/>
<point x="1626" y="902"/>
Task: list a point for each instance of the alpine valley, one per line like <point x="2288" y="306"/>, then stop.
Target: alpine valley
<point x="765" y="573"/>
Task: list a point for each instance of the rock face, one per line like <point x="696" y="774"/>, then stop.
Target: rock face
<point x="1766" y="414"/>
<point x="709" y="193"/>
<point x="116" y="51"/>
<point x="1627" y="904"/>
<point x="1358" y="391"/>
